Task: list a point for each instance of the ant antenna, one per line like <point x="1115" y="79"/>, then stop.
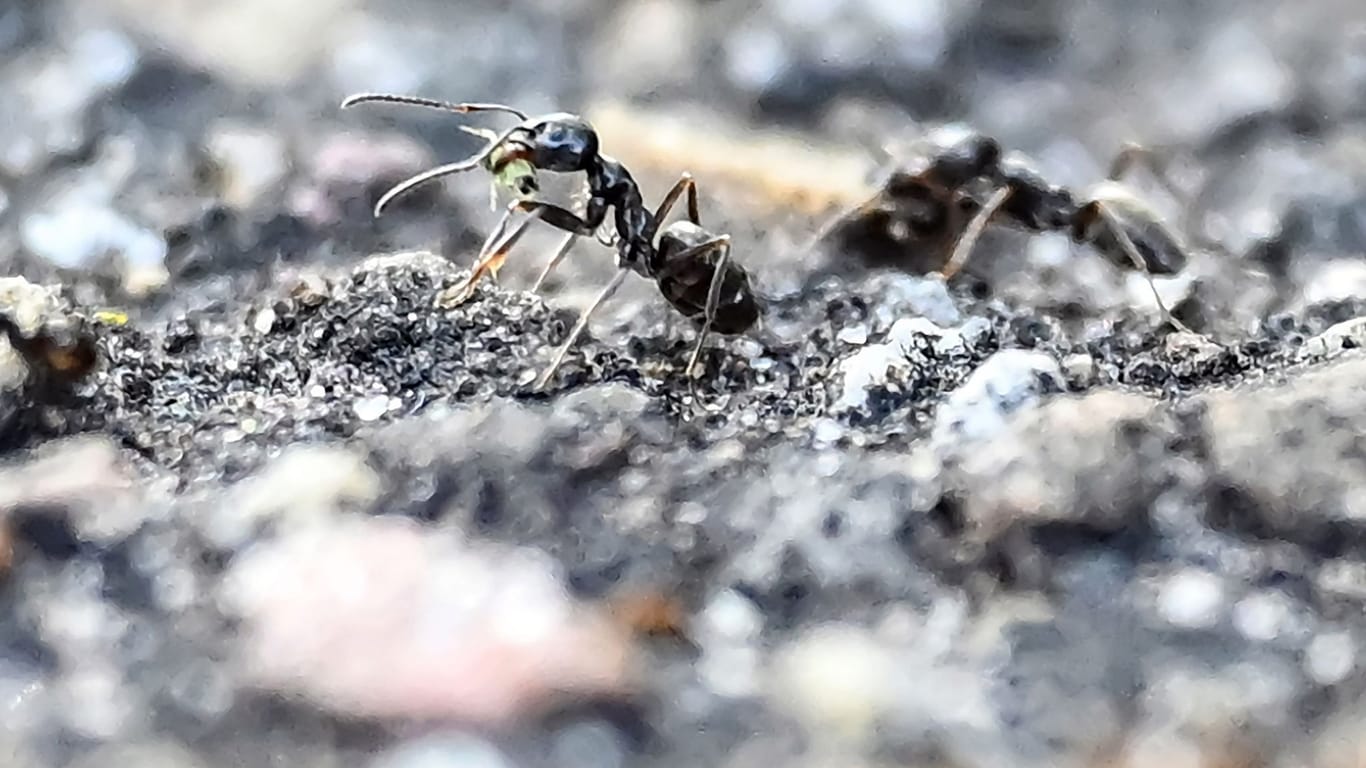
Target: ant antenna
<point x="418" y="101"/>
<point x="467" y="164"/>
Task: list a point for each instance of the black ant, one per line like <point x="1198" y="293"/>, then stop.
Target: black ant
<point x="690" y="265"/>
<point x="961" y="180"/>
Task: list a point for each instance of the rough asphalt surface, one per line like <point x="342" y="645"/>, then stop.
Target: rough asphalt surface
<point x="300" y="516"/>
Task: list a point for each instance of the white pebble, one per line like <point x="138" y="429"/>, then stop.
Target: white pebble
<point x="1191" y="599"/>
<point x="826" y="431"/>
<point x="1007" y="382"/>
<point x="1262" y="616"/>
<point x="731" y="616"/>
<point x="1330" y="657"/>
<point x="857" y="335"/>
<point x="866" y="368"/>
<point x="837" y="678"/>
<point x="371" y="408"/>
<point x="264" y="321"/>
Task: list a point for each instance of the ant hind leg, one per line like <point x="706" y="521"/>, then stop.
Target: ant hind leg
<point x="1155" y="161"/>
<point x="718" y="275"/>
<point x="1131" y="250"/>
<point x="685" y="182"/>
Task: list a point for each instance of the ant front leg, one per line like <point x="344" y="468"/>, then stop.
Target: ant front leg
<point x="574" y="226"/>
<point x="493" y="255"/>
<point x="687" y="183"/>
<point x="963" y="248"/>
<point x="562" y="250"/>
<point x="491" y="258"/>
<point x="565" y="219"/>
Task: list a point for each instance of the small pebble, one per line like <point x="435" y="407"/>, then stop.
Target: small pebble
<point x="1331" y="657"/>
<point x="264" y="321"/>
<point x="836" y="678"/>
<point x="1262" y="616"/>
<point x="1192" y="599"/>
<point x="1080" y="370"/>
<point x="1007" y="382"/>
<point x="371" y="408"/>
<point x="856" y="335"/>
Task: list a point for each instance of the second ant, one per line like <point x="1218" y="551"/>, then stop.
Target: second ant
<point x="958" y="181"/>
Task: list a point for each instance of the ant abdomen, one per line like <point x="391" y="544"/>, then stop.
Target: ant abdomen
<point x="685" y="280"/>
<point x="1161" y="250"/>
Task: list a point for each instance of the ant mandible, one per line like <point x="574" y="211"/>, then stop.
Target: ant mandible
<point x="690" y="265"/>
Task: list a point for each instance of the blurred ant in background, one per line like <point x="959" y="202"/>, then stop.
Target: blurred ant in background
<point x="690" y="265"/>
<point x="959" y="180"/>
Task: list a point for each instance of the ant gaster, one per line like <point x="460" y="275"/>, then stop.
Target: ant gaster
<point x="690" y="265"/>
<point x="960" y="181"/>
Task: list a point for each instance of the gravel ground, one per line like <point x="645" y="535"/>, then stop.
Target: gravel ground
<point x="298" y="515"/>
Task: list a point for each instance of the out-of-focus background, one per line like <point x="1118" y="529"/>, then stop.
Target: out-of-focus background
<point x="299" y="516"/>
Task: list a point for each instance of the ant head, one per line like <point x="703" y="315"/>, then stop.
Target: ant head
<point x="958" y="154"/>
<point x="561" y="143"/>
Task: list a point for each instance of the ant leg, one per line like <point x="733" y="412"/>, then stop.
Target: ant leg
<point x="491" y="258"/>
<point x="686" y="182"/>
<point x="1155" y="161"/>
<point x="579" y="327"/>
<point x="560" y="253"/>
<point x="563" y="218"/>
<point x="843" y="216"/>
<point x="721" y="243"/>
<point x="963" y="248"/>
<point x="1126" y="243"/>
<point x="1132" y="154"/>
